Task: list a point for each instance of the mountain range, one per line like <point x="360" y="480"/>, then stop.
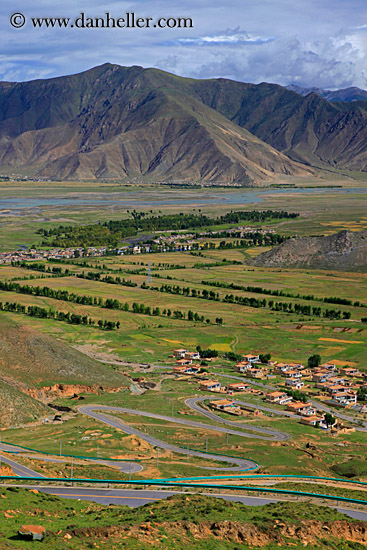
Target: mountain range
<point x="136" y="124"/>
<point x="346" y="94"/>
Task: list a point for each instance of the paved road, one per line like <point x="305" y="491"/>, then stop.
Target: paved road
<point x="18" y="469"/>
<point x="135" y="498"/>
<point x="192" y="402"/>
<point x="123" y="466"/>
<point x="241" y="464"/>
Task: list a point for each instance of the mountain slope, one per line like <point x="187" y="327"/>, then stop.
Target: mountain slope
<point x="345" y="251"/>
<point x="139" y="124"/>
<point x="307" y="129"/>
<point x="128" y="123"/>
<point x="29" y="358"/>
<point x="18" y="408"/>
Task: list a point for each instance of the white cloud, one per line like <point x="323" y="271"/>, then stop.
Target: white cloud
<point x="309" y="42"/>
<point x="230" y="37"/>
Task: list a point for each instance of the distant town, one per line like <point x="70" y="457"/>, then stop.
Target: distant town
<point x="172" y="243"/>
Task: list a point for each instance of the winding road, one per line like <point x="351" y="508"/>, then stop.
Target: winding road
<point x="275" y="435"/>
<point x="238" y="463"/>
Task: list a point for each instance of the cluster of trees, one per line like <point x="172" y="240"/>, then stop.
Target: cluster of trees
<point x="112" y="232"/>
<point x="362" y="394"/>
<point x="71" y="318"/>
<point x="207" y="353"/>
<point x="186" y="291"/>
<point x="314" y="361"/>
<point x="283" y="293"/>
<point x="298" y="395"/>
<point x="43" y="268"/>
<point x="232" y="356"/>
<point x="252" y="239"/>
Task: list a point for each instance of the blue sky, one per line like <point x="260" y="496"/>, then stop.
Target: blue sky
<point x="319" y="43"/>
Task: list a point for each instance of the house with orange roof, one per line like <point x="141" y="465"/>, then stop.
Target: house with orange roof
<point x="183" y="362"/>
<point x="238" y="386"/>
<point x="250" y="358"/>
<point x="350" y="371"/>
<point x="222" y="404"/>
<point x="311" y="420"/>
<point x="337" y="388"/>
<point x="179" y="353"/>
<point x="345" y="399"/>
<point x="210" y="385"/>
<point x="278" y="397"/>
<point x="294" y="383"/>
<point x="256" y="373"/>
<point x="304" y="409"/>
<point x="243" y="366"/>
<point x="192" y="355"/>
<point x="189" y="369"/>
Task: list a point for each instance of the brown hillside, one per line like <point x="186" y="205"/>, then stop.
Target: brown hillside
<point x="18" y="408"/>
<point x="345" y="251"/>
<point x="129" y="123"/>
<point x="30" y="358"/>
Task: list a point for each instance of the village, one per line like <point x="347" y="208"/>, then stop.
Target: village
<point x="184" y="242"/>
<point x="296" y="385"/>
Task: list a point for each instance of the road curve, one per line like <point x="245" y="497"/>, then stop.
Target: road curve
<point x="239" y="464"/>
<point x="275" y="435"/>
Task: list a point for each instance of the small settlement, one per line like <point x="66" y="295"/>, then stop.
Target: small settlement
<point x="295" y="385"/>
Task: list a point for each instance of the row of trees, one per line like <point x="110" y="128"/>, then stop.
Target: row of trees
<point x="281" y="293"/>
<point x="96" y="276"/>
<point x="109" y="303"/>
<point x="287" y="307"/>
<point x="71" y="318"/>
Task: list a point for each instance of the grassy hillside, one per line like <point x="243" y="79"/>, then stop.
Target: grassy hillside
<point x="18" y="408"/>
<point x="35" y="359"/>
<point x="180" y="522"/>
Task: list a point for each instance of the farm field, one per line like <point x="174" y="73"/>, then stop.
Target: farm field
<point x="212" y="298"/>
<point x="141" y="337"/>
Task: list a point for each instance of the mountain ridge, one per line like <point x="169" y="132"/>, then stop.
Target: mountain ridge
<point x="137" y="124"/>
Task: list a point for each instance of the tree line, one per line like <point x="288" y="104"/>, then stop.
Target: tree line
<point x="71" y="318"/>
<point x="280" y="293"/>
<point x="285" y="307"/>
<point x="109" y="303"/>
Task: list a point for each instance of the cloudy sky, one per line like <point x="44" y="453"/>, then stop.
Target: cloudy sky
<point x="320" y="43"/>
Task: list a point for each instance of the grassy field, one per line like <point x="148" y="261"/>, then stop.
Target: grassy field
<point x="146" y="338"/>
<point x="308" y="451"/>
<point x="287" y="336"/>
<point x="323" y="210"/>
<point x="180" y="522"/>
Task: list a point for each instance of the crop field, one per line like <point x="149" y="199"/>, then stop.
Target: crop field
<point x="188" y="304"/>
<point x="141" y="337"/>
